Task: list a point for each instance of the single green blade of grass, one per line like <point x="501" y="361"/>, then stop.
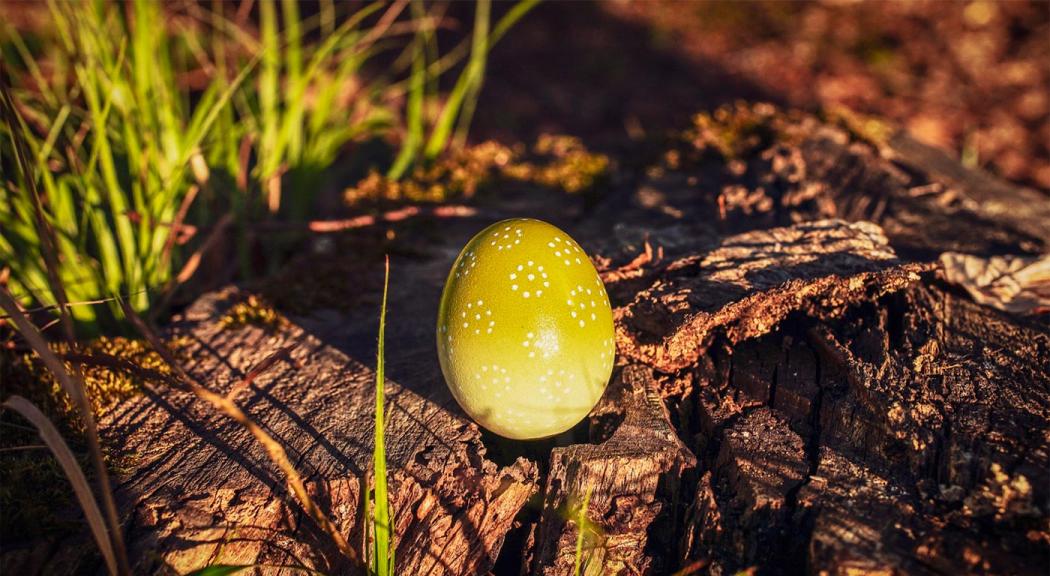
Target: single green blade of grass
<point x="468" y="85"/>
<point x="581" y="526"/>
<point x="384" y="556"/>
<point x="414" y="136"/>
<point x="478" y="55"/>
<point x="60" y="121"/>
<point x="292" y="131"/>
<point x="29" y="61"/>
<point x="268" y="86"/>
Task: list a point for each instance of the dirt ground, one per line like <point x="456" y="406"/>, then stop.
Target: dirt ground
<point x="972" y="78"/>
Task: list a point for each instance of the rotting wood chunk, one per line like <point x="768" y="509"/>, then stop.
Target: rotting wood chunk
<point x="751" y="282"/>
<point x="629" y="477"/>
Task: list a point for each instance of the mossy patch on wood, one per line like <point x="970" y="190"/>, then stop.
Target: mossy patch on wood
<point x="874" y="131"/>
<point x="564" y="163"/>
<point x="33" y="489"/>
<point x="558" y="162"/>
<point x="253" y="311"/>
<point x="735" y="131"/>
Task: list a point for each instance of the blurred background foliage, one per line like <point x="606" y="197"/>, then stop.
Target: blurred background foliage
<point x="228" y="124"/>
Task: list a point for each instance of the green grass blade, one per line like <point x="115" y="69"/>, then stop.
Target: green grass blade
<point x="30" y="63"/>
<point x="468" y="85"/>
<point x="268" y="86"/>
<point x="56" y="127"/>
<point x="384" y="557"/>
<point x="581" y="526"/>
<point x="511" y="18"/>
<point x="221" y="570"/>
<point x="205" y="117"/>
<point x="292" y="132"/>
<point x="478" y="56"/>
<point x="469" y="82"/>
<point x="414" y="135"/>
<point x="19" y="135"/>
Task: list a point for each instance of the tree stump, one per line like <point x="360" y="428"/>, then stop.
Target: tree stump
<point x="798" y="389"/>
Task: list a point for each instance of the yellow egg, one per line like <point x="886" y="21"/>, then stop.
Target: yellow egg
<point x="525" y="330"/>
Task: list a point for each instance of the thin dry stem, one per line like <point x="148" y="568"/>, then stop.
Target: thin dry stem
<point x="74" y="387"/>
<point x="50" y="435"/>
<point x="273" y="449"/>
<point x="284" y="353"/>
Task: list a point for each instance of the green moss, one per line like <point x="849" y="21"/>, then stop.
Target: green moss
<point x="459" y="175"/>
<point x="735" y="134"/>
<point x="105" y="386"/>
<point x="565" y="163"/>
<point x="32" y="489"/>
<point x="558" y="162"/>
<point x="736" y="131"/>
<point x="252" y="311"/>
<point x="860" y="126"/>
<point x="34" y="492"/>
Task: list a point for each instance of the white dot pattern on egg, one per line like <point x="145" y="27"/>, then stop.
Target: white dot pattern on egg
<point x="525" y="330"/>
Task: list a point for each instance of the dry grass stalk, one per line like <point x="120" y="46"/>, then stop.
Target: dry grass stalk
<point x="50" y="435"/>
<point x="74" y="387"/>
<point x="273" y="449"/>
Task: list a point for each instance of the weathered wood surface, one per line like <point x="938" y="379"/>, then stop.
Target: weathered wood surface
<point x="751" y="282"/>
<point x="625" y="475"/>
<point x="752" y="167"/>
<point x="203" y="490"/>
<point x="902" y="438"/>
<point x="794" y="391"/>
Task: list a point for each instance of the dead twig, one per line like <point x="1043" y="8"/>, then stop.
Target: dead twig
<point x="284" y="353"/>
<point x="194" y="261"/>
<point x="635" y="268"/>
<point x="180" y="217"/>
<point x="364" y="221"/>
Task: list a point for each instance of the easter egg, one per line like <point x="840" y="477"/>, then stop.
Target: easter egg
<point x="525" y="330"/>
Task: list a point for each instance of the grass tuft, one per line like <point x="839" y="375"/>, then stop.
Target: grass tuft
<point x="450" y="128"/>
<point x="254" y="311"/>
<point x="157" y="132"/>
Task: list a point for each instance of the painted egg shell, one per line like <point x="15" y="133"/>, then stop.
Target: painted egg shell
<point x="525" y="331"/>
